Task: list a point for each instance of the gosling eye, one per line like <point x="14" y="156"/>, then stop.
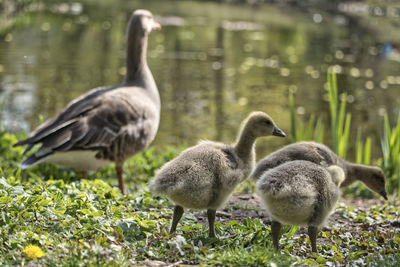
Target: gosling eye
<point x="268" y="122"/>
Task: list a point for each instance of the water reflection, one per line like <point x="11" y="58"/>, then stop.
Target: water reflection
<point x="213" y="65"/>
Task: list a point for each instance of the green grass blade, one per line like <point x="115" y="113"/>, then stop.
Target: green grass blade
<point x="385" y="141"/>
<point x="367" y="151"/>
<point x="309" y="130"/>
<point x="340" y="118"/>
<point x="395" y="133"/>
<point x="387" y="128"/>
<point x="300" y="131"/>
<point x="359" y="147"/>
<point x="344" y="139"/>
<point x="319" y="131"/>
<point x="332" y="90"/>
<point x="293" y="134"/>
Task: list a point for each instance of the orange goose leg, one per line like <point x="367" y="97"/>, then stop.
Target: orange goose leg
<point x="84" y="174"/>
<point x="120" y="172"/>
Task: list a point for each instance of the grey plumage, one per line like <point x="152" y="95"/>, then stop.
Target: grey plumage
<point x="106" y="124"/>
<point x="204" y="176"/>
<point x="300" y="193"/>
<point x="201" y="177"/>
<point x="320" y="154"/>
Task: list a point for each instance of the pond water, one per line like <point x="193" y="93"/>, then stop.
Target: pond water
<point x="213" y="64"/>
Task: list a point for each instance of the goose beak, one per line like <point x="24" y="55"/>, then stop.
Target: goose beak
<point x="278" y="132"/>
<point x="156" y="25"/>
<point x="384" y="194"/>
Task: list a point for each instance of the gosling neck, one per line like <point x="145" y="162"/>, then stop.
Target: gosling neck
<point x="136" y="51"/>
<point x="244" y="145"/>
<point x="358" y="172"/>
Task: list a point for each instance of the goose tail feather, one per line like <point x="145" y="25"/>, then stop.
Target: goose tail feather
<point x="34" y="159"/>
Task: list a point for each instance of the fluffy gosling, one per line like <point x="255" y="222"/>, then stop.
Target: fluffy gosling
<point x="204" y="176"/>
<point x="371" y="176"/>
<point x="300" y="193"/>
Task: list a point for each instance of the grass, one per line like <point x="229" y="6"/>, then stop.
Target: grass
<point x="390" y="143"/>
<point x="340" y="121"/>
<point x="89" y="223"/>
<point x="363" y="149"/>
<point x="299" y="132"/>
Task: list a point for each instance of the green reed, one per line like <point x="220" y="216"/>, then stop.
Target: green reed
<point x="312" y="130"/>
<point x="390" y="143"/>
<point x="363" y="149"/>
<point x="340" y="121"/>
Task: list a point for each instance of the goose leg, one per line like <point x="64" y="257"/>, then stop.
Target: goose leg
<point x="84" y="174"/>
<point x="211" y="220"/>
<point x="276" y="231"/>
<point x="120" y="173"/>
<point x="312" y="233"/>
<point x="178" y="212"/>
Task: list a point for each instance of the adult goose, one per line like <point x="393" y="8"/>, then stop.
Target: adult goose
<point x="108" y="124"/>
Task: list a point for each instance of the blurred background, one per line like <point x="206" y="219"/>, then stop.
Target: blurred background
<point x="213" y="61"/>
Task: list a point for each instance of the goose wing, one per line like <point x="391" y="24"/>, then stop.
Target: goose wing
<point x="93" y="121"/>
<point x="75" y="109"/>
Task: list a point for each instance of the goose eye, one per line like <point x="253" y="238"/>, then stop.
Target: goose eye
<point x="268" y="122"/>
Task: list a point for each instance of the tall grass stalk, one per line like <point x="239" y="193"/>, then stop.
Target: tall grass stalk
<point x="311" y="131"/>
<point x="363" y="150"/>
<point x="293" y="123"/>
<point x="340" y="121"/>
<point x="390" y="143"/>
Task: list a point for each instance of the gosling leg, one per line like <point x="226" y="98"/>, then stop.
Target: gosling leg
<point x="84" y="174"/>
<point x="276" y="232"/>
<point x="312" y="233"/>
<point x="211" y="220"/>
<point x="178" y="212"/>
<point x="120" y="173"/>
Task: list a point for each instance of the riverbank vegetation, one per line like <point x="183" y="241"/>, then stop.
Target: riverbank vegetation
<point x="49" y="216"/>
<point x="88" y="222"/>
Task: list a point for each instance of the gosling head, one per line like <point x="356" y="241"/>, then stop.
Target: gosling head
<point x="261" y="124"/>
<point x="337" y="174"/>
<point x="376" y="181"/>
<point x="144" y="21"/>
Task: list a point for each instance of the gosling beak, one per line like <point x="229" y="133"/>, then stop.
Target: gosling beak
<point x="156" y="25"/>
<point x="384" y="194"/>
<point x="278" y="132"/>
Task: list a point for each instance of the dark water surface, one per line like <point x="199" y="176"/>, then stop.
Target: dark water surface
<point x="213" y="64"/>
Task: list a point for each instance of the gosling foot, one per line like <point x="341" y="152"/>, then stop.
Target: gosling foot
<point x="276" y="232"/>
<point x="178" y="212"/>
<point x="312" y="233"/>
<point x="211" y="220"/>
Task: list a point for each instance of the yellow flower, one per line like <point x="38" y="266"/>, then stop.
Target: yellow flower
<point x="33" y="252"/>
<point x="83" y="195"/>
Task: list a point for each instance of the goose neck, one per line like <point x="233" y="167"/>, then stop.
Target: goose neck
<point x="136" y="52"/>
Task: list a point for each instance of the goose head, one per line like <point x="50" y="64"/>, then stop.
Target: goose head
<point x="261" y="124"/>
<point x="144" y="20"/>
